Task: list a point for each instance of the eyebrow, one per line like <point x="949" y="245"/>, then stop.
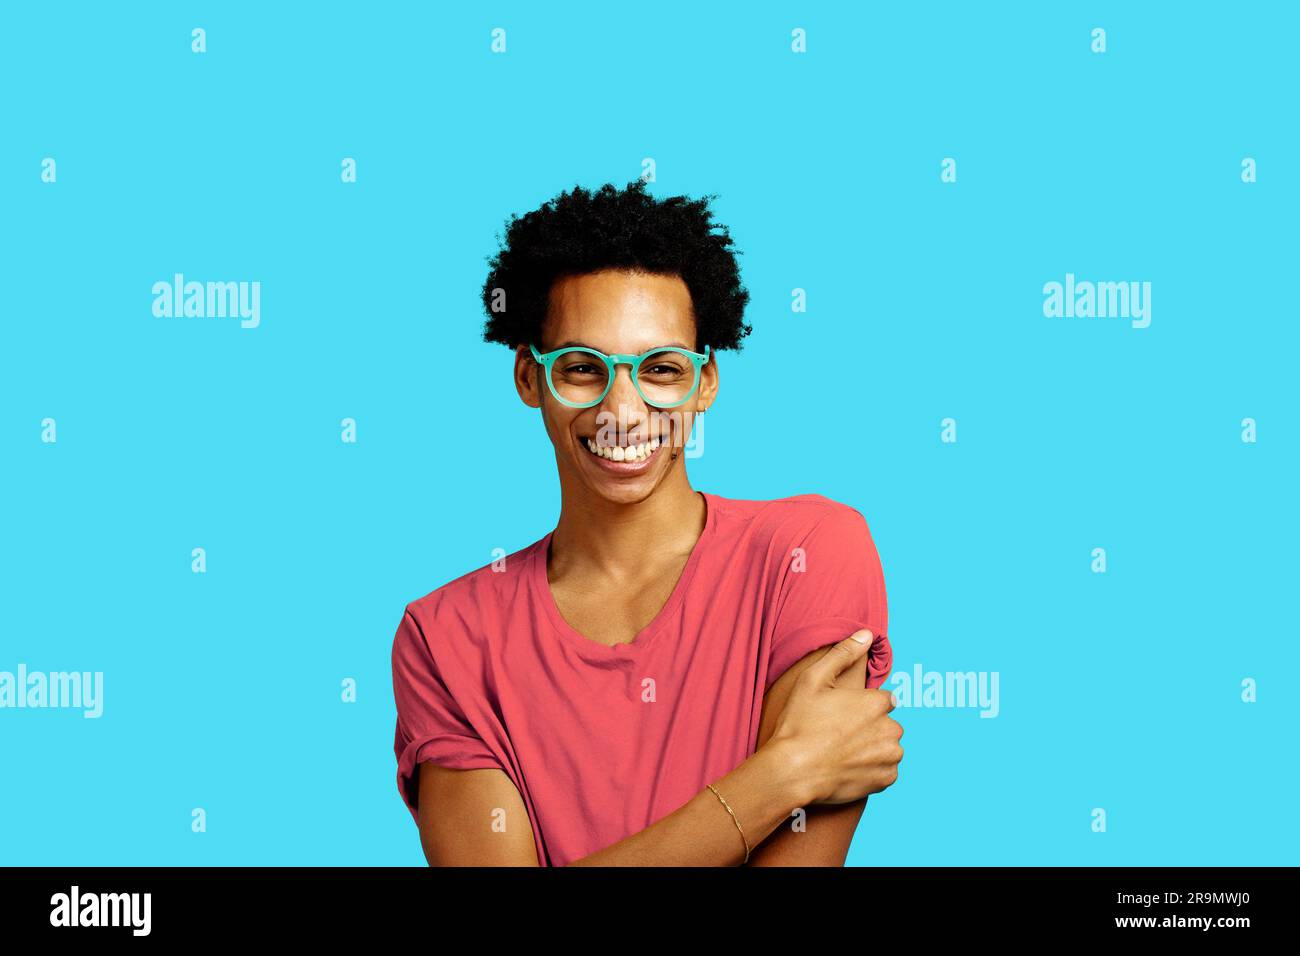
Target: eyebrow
<point x="573" y="344"/>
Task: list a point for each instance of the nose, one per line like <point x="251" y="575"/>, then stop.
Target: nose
<point x="624" y="401"/>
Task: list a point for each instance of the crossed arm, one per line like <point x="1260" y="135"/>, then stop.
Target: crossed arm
<point x="454" y="805"/>
<point x="828" y="827"/>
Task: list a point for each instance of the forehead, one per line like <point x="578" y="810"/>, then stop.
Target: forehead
<point x="618" y="311"/>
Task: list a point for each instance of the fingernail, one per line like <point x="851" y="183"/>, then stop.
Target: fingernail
<point x="861" y="636"/>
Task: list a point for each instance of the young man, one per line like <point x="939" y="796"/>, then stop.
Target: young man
<point x="669" y="675"/>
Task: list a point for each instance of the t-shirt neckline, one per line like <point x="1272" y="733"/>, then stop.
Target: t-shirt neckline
<point x="594" y="649"/>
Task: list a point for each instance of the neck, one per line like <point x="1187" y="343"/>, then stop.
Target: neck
<point x="617" y="539"/>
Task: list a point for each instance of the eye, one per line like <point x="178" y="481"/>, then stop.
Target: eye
<point x="664" y="366"/>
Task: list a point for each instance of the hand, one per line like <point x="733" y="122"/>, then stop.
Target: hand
<point x="840" y="738"/>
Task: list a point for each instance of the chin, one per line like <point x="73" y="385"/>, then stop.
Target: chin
<point x="624" y="481"/>
<point x="627" y="494"/>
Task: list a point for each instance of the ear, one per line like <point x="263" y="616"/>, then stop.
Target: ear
<point x="708" y="382"/>
<point x="527" y="378"/>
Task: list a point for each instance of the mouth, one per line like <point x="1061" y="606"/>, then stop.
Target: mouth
<point x="632" y="458"/>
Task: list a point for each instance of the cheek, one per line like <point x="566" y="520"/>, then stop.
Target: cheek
<point x="558" y="421"/>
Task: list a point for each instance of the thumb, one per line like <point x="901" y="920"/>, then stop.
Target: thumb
<point x="841" y="656"/>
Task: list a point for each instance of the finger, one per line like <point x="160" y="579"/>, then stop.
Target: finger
<point x="840" y="657"/>
<point x="884" y="699"/>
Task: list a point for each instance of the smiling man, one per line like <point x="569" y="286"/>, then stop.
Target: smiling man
<point x="669" y="677"/>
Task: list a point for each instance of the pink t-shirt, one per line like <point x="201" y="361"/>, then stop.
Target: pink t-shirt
<point x="603" y="741"/>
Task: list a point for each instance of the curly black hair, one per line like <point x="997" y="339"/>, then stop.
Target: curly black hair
<point x="580" y="232"/>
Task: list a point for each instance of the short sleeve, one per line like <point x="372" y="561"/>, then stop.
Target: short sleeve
<point x="431" y="726"/>
<point x="832" y="585"/>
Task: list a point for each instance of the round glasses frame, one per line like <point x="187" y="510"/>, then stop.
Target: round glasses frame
<point x="547" y="360"/>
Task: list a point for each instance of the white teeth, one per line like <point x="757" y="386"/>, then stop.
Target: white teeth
<point x="638" y="452"/>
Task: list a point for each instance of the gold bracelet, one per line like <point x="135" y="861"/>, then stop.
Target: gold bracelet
<point x="734" y="820"/>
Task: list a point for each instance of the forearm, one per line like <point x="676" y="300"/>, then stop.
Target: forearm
<point x="827" y="830"/>
<point x="762" y="791"/>
<point x="822" y="840"/>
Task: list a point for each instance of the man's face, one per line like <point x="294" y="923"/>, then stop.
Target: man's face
<point x="615" y="311"/>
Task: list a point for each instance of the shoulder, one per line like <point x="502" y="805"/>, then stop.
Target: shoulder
<point x="798" y="518"/>
<point x="458" y="614"/>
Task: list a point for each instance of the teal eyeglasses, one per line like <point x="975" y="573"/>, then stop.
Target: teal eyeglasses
<point x="664" y="377"/>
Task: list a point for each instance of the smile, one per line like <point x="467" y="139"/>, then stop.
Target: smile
<point x="624" y="454"/>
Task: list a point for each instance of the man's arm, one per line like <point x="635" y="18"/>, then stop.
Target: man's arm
<point x="829" y="827"/>
<point x="478" y="818"/>
<point x="473" y="818"/>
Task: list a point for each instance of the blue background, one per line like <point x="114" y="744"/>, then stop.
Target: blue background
<point x="222" y="690"/>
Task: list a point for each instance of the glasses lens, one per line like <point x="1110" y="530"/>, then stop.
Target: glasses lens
<point x="579" y="376"/>
<point x="666" y="377"/>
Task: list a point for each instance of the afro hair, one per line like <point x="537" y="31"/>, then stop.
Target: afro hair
<point x="580" y="232"/>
